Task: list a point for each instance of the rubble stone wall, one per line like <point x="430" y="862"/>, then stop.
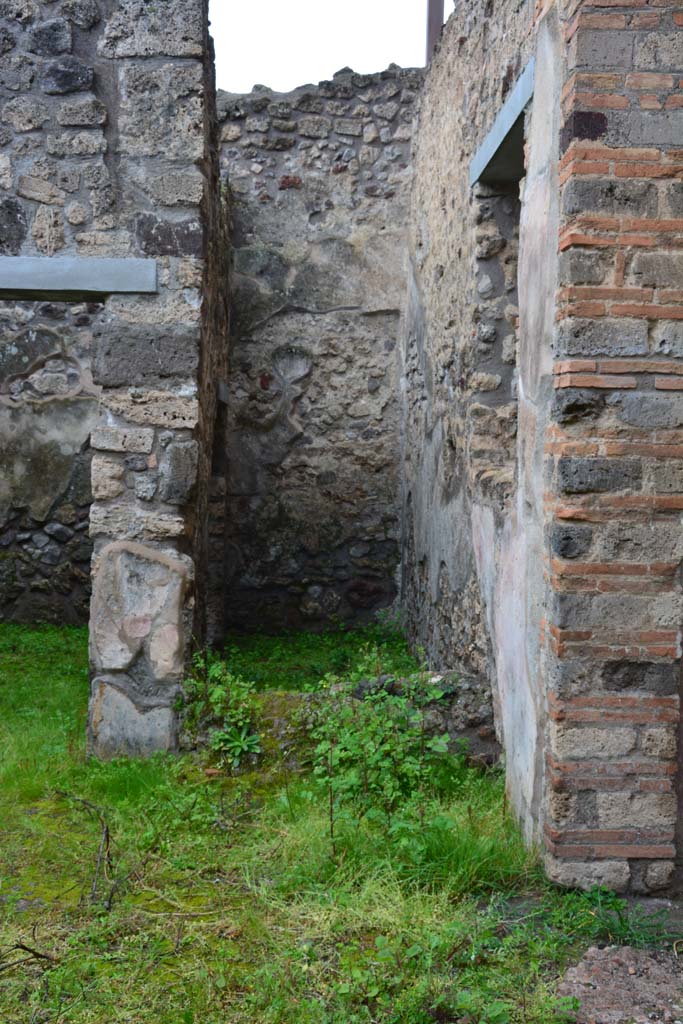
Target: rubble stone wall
<point x="320" y="180"/>
<point x="462" y="599"/>
<point x="55" y="197"/>
<point x="109" y="150"/>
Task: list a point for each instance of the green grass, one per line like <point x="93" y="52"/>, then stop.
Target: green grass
<point x="154" y="892"/>
<point x="298" y="661"/>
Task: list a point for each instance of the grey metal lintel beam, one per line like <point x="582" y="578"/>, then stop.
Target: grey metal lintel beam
<point x="73" y="277"/>
<point x="507" y="118"/>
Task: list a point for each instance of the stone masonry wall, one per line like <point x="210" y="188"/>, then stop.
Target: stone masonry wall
<point x="48" y="407"/>
<point x="565" y="580"/>
<point x="108" y="151"/>
<point x="615" y="453"/>
<point x="320" y="180"/>
<point x="54" y="196"/>
<point x="460" y="365"/>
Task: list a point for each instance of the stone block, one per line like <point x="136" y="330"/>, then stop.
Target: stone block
<point x="667" y="338"/>
<point x="659" y="875"/>
<point x="107" y="478"/>
<point x="149" y="407"/>
<point x="174" y="188"/>
<point x="104" y="243"/>
<point x="87" y="143"/>
<point x="25" y="114"/>
<point x="17" y="73"/>
<point x="138" y="28"/>
<point x="660" y="743"/>
<point x="348" y="126"/>
<point x="610" y="197"/>
<point x="161" y="111"/>
<point x="51" y="38"/>
<point x="87" y="112"/>
<point x="660" y="678"/>
<point x="657" y="270"/>
<point x="145" y="486"/>
<point x="83" y="13"/>
<point x="76" y="214"/>
<point x="602" y="50"/>
<point x="67" y="75"/>
<point x="667" y="477"/>
<point x="609" y="874"/>
<point x="230" y="133"/>
<point x="178" y="472"/>
<point x="591" y="742"/>
<point x="13" y="226"/>
<point x="122" y="439"/>
<point x="582" y="268"/>
<point x="637" y="810"/>
<point x="585" y="476"/>
<point x="137" y="608"/>
<point x="673" y="199"/>
<point x="47" y="230"/>
<point x="279" y="143"/>
<point x="645" y="128"/>
<point x="59" y="532"/>
<point x="658" y="50"/>
<point x="7" y="41"/>
<point x="134" y="355"/>
<point x="159" y="237"/>
<point x="257" y="124"/>
<point x="387" y="111"/>
<point x="603" y="336"/>
<point x="6" y="176"/>
<point x="617" y="611"/>
<point x="132" y="522"/>
<point x="117" y="727"/>
<point x="648" y="411"/>
<point x="312" y="127"/>
<point x="571" y="405"/>
<point x="568" y="541"/>
<point x="40" y="191"/>
<point x="656" y="541"/>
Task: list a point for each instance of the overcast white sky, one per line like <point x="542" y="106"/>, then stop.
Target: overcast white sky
<point x="285" y="43"/>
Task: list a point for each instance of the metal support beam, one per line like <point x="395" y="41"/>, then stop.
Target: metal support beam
<point x="74" y="277"/>
<point x="434" y="25"/>
<point x="498" y="157"/>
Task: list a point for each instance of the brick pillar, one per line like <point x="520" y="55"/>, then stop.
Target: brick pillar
<point x="615" y="453"/>
<point x="152" y="62"/>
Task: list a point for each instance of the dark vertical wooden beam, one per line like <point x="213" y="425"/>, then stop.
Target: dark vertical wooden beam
<point x="434" y="25"/>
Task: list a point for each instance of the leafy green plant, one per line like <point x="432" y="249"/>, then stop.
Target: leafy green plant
<point x="235" y="743"/>
<point x="221" y="703"/>
<point x="374" y="754"/>
<point x="608" y="918"/>
<point x="471" y="1011"/>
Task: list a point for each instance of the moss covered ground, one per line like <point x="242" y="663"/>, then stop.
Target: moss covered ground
<point x="173" y="891"/>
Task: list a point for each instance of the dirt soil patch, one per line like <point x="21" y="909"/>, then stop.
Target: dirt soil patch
<point x="621" y="985"/>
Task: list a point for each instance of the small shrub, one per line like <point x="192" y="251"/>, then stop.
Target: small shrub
<point x="220" y="703"/>
<point x="376" y="752"/>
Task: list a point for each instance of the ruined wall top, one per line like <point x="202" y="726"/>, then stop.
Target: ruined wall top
<point x="356" y="124"/>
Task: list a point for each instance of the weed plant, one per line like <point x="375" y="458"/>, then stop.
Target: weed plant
<point x="173" y="891"/>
